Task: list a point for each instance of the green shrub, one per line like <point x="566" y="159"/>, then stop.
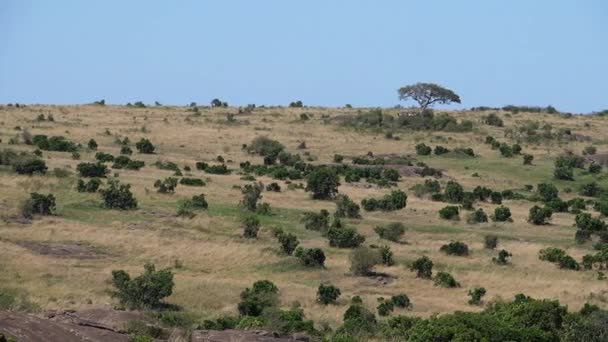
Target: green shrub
<point x="251" y="226"/>
<point x="445" y="279"/>
<point x="144" y="291"/>
<point x="563" y="173"/>
<point x="478" y="216"/>
<point x="585" y="221"/>
<point x="439" y="150"/>
<point x="327" y="294"/>
<point x="38" y="204"/>
<point x="166" y="186"/>
<point x="506" y="150"/>
<point x="385" y="307"/>
<point x="363" y="260"/>
<point x="28" y="165"/>
<point x="501" y="214"/>
<point x="449" y="212"/>
<point x="490" y="241"/>
<point x="252" y="193"/>
<point x="199" y="202"/>
<point x="423" y="150"/>
<point x="528" y="158"/>
<point x="118" y="196"/>
<point x="423" y="267"/>
<point x="145" y="146"/>
<point x="496" y="197"/>
<point x="91" y="186"/>
<point x="262" y="295"/>
<point x="338" y="158"/>
<point x="476" y="294"/>
<point x="502" y="258"/>
<point x="265" y="147"/>
<point x="323" y="183"/>
<point x="104" y="157"/>
<point x="401" y="301"/>
<point x="595" y="168"/>
<point x="453" y="193"/>
<point x="570" y="161"/>
<point x="539" y="215"/>
<point x="56" y="143"/>
<point x="493" y="120"/>
<point x="396" y="200"/>
<point x="288" y="241"/>
<point x="126" y="150"/>
<point x="344" y="237"/>
<point x="458" y="248"/>
<point x="316" y="221"/>
<point x="97" y="170"/>
<point x="274" y="187"/>
<point x="430" y="186"/>
<point x="392" y="231"/>
<point x="345" y="207"/>
<point x="192" y="181"/>
<point x="591" y="189"/>
<point x="547" y="192"/>
<point x="311" y="257"/>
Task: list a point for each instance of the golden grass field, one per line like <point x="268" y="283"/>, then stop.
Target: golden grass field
<point x="217" y="263"/>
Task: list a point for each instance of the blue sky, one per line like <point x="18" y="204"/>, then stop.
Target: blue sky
<point x="322" y="52"/>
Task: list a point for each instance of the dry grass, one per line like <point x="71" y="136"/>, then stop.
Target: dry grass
<point x="218" y="263"/>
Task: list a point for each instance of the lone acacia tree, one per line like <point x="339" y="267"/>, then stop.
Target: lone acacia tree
<point x="427" y="94"/>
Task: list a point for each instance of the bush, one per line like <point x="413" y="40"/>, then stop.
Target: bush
<point x="591" y="189"/>
<point x="396" y="200"/>
<point x="401" y="301"/>
<point x="445" y="279"/>
<point x="585" y="221"/>
<point x="563" y="173"/>
<point x="458" y="248"/>
<point x="252" y="193"/>
<point x="56" y="143"/>
<point x="478" y="216"/>
<point x="430" y="186"/>
<point x="344" y="237"/>
<point x="126" y="150"/>
<point x="385" y="307"/>
<point x="502" y="258"/>
<point x="91" y="186"/>
<point x="547" y="192"/>
<point x="199" y="202"/>
<point x="363" y="260"/>
<point x="539" y="215"/>
<point x="311" y="257"/>
<point x="345" y="207"/>
<point x="528" y="158"/>
<point x="501" y="214"/>
<point x="506" y="150"/>
<point x="496" y="197"/>
<point x="392" y="231"/>
<point x="317" y="222"/>
<point x="476" y="294"/>
<point x="144" y="291"/>
<point x="28" y="165"/>
<point x="490" y="241"/>
<point x="92" y="144"/>
<point x="595" y="168"/>
<point x="323" y="182"/>
<point x="288" y="241"/>
<point x="551" y="254"/>
<point x="439" y="150"/>
<point x="104" y="157"/>
<point x="274" y="187"/>
<point x="262" y="295"/>
<point x="453" y="193"/>
<point x="96" y="170"/>
<point x="192" y="181"/>
<point x="569" y="263"/>
<point x="493" y="120"/>
<point x="266" y="147"/>
<point x="145" y="146"/>
<point x="423" y="267"/>
<point x="327" y="294"/>
<point x="338" y="158"/>
<point x="166" y="186"/>
<point x="570" y="161"/>
<point x="118" y="196"/>
<point x="449" y="212"/>
<point x="251" y="226"/>
<point x="386" y="255"/>
<point x="38" y="204"/>
<point x="423" y="149"/>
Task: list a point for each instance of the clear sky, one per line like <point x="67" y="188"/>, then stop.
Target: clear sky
<point x="323" y="52"/>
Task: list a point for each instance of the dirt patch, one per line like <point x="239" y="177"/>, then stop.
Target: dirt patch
<point x="73" y="250"/>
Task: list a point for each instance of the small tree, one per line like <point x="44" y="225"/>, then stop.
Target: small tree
<point x="144" y="291"/>
<point x="317" y="222"/>
<point x="262" y="295"/>
<point x="345" y="207"/>
<point x="457" y="248"/>
<point x="251" y="226"/>
<point x="401" y="301"/>
<point x="392" y="231"/>
<point x="363" y="260"/>
<point x="344" y="237"/>
<point x="92" y="144"/>
<point x="145" y="146"/>
<point x="423" y="150"/>
<point x="539" y="215"/>
<point x="327" y="294"/>
<point x="118" y="196"/>
<point x="501" y="214"/>
<point x="476" y="294"/>
<point x="39" y="204"/>
<point x="427" y="94"/>
<point x="92" y="169"/>
<point x="166" y="186"/>
<point x="478" y="216"/>
<point x="423" y="267"/>
<point x="252" y="193"/>
<point x="288" y="241"/>
<point x="323" y="182"/>
<point x="311" y="257"/>
<point x="449" y="212"/>
<point x="453" y="192"/>
<point x="502" y="258"/>
<point x="445" y="279"/>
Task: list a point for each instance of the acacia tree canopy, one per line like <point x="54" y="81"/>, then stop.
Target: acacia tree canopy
<point x="427" y="94"/>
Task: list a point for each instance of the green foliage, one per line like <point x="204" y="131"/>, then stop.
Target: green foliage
<point x="502" y="258"/>
<point x="345" y="207"/>
<point x="423" y="149"/>
<point x="166" y="186"/>
<point x="311" y="257"/>
<point x="274" y="187"/>
<point x="392" y="231"/>
<point x="423" y="267"/>
<point x="288" y="241"/>
<point x="91" y="186"/>
<point x="262" y="295"/>
<point x="595" y="168"/>
<point x="402" y="301"/>
<point x="199" y="202"/>
<point x="476" y="294"/>
<point x="449" y="212"/>
<point x="344" y="237"/>
<point x="323" y="183"/>
<point x="457" y="248"/>
<point x="478" y="216"/>
<point x="396" y="200"/>
<point x="527" y="159"/>
<point x="386" y="255"/>
<point x="118" y="196"/>
<point x="501" y="214"/>
<point x="38" y="204"/>
<point x="559" y="257"/>
<point x="92" y="144"/>
<point x="490" y="241"/>
<point x="26" y="165"/>
<point x="92" y="170"/>
<point x="191" y="181"/>
<point x="563" y="173"/>
<point x="363" y="260"/>
<point x="145" y="146"/>
<point x="591" y="189"/>
<point x="327" y="294"/>
<point x="126" y="150"/>
<point x="445" y="279"/>
<point x="453" y="193"/>
<point x="252" y="193"/>
<point x="104" y="157"/>
<point x="427" y="94"/>
<point x="547" y="191"/>
<point x="585" y="221"/>
<point x="570" y="161"/>
<point x="251" y="226"/>
<point x="493" y="120"/>
<point x="56" y="143"/>
<point x="338" y="158"/>
<point x="385" y="307"/>
<point x="439" y="150"/>
<point x="266" y="147"/>
<point x="124" y="162"/>
<point x="316" y="221"/>
<point x="430" y="186"/>
<point x="539" y="216"/>
<point x="144" y="291"/>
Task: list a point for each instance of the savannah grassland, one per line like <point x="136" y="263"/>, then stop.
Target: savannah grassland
<point x="217" y="263"/>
